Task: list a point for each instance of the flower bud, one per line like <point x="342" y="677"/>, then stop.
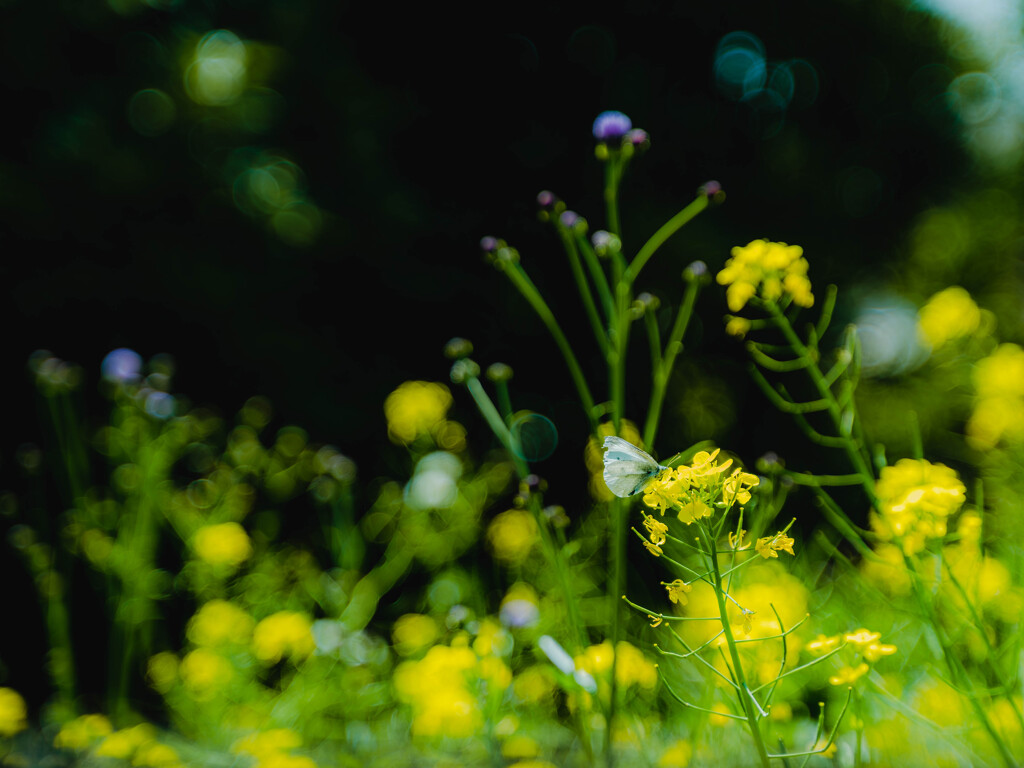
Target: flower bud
<point x="458" y="348"/>
<point x="464" y="369"/>
<point x="696" y="271"/>
<point x="499" y="372"/>
<point x="713" y="191"/>
<point x="572" y="220"/>
<point x="639" y="138"/>
<point x="605" y="243"/>
<point x="611" y="126"/>
<point x="489" y="244"/>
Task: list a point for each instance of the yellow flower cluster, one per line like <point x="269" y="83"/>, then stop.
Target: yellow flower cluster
<point x="413" y="632"/>
<point x="442" y="687"/>
<point x="219" y="622"/>
<point x="205" y="673"/>
<point x="13" y="713"/>
<point x="770" y="546"/>
<point x="776" y="269"/>
<point x="224" y="544"/>
<point x="512" y="535"/>
<point x="285" y="633"/>
<point x="949" y="314"/>
<point x="137" y="745"/>
<point x="999" y="399"/>
<point x="916" y="497"/>
<point x="865" y="645"/>
<point x="82" y="732"/>
<point x="631" y="669"/>
<point x="416" y="408"/>
<point x="273" y="749"/>
<point x="695" y="491"/>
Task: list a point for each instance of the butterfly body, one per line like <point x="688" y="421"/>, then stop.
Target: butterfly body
<point x="627" y="469"/>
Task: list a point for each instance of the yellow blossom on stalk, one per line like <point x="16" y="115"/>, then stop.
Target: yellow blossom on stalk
<point x="285" y="633"/>
<point x="415" y="408"/>
<point x="771" y="269"/>
<point x="849" y="675"/>
<point x="654" y="549"/>
<point x="823" y="644"/>
<point x="219" y="622"/>
<point x="696" y="490"/>
<point x="512" y="535"/>
<point x="222" y="544"/>
<point x="737" y="326"/>
<point x="770" y="546"/>
<point x="656" y="530"/>
<point x="949" y="314"/>
<point x="998" y="414"/>
<point x="916" y="497"/>
<point x="13" y="712"/>
<point x="82" y="732"/>
<point x="677" y="591"/>
<point x="736" y="539"/>
<point x="874" y="651"/>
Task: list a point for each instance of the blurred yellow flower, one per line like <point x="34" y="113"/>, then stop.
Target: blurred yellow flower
<point x="949" y="314"/>
<point x="676" y="756"/>
<point x="219" y="622"/>
<point x="163" y="670"/>
<point x="512" y="535"/>
<point x="774" y="269"/>
<point x="631" y="668"/>
<point x="284" y="633"/>
<point x="153" y="754"/>
<point x="415" y="408"/>
<point x="849" y="675"/>
<point x="222" y="544"/>
<point x="122" y="744"/>
<point x="916" y="497"/>
<point x="823" y="644"/>
<point x="998" y="414"/>
<point x="437" y="687"/>
<point x="205" y="672"/>
<point x="886" y="570"/>
<point x="13" y="712"/>
<point x="82" y="732"/>
<point x="264" y="744"/>
<point x="413" y="632"/>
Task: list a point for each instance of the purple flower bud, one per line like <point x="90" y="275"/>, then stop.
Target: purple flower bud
<point x="489" y="244"/>
<point x="697" y="268"/>
<point x="121" y="366"/>
<point x="546" y="199"/>
<point x="569" y="219"/>
<point x="611" y="126"/>
<point x="710" y="189"/>
<point x="638" y="137"/>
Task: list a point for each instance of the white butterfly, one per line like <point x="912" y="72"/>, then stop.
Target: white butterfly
<point x="627" y="469"/>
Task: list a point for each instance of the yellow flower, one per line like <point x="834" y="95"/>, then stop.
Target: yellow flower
<point x="656" y="530"/>
<point x="770" y="546"/>
<point x="205" y="672"/>
<point x="874" y="651"/>
<point x="861" y="638"/>
<point x="413" y="632"/>
<point x="821" y="645"/>
<point x="263" y="744"/>
<point x="677" y="591"/>
<point x="13" y="712"/>
<point x="676" y="756"/>
<point x="122" y="744"/>
<point x="774" y="268"/>
<point x="437" y="689"/>
<point x="654" y="549"/>
<point x="655" y="620"/>
<point x="82" y="732"/>
<point x="999" y="393"/>
<point x="415" y="408"/>
<point x="916" y="497"/>
<point x="737" y="326"/>
<point x="284" y="633"/>
<point x="512" y="535"/>
<point x="695" y="491"/>
<point x="849" y="675"/>
<point x="949" y="314"/>
<point x="736" y="487"/>
<point x="219" y="622"/>
<point x="163" y="671"/>
<point x="222" y="544"/>
<point x="153" y="754"/>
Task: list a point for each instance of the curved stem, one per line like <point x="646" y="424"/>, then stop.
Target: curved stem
<point x="666" y="231"/>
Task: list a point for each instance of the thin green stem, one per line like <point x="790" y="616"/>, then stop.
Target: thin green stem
<point x="519" y="279"/>
<point x="586" y="295"/>
<point x="659" y="238"/>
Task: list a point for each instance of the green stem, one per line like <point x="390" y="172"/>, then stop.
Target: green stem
<point x="532" y="295"/>
<point x="666" y="231"/>
<point x="569" y="242"/>
<point x="612" y="177"/>
<point x="744" y="694"/>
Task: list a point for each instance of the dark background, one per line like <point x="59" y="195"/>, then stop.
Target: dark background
<point x="418" y="132"/>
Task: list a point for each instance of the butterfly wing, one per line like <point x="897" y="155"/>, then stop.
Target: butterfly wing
<point x="627" y="469"/>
